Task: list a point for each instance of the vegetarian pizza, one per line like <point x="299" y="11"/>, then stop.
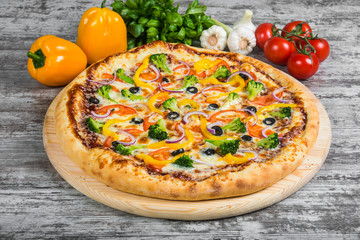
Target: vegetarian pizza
<point x="176" y="122"/>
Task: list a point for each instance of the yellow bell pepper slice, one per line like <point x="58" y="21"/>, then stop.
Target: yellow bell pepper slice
<point x="206" y="133"/>
<point x="237" y="79"/>
<point x="153" y="99"/>
<point x="235" y="160"/>
<point x="137" y="80"/>
<point x="275" y="105"/>
<point x="190" y="102"/>
<point x="205" y="64"/>
<point x="107" y="132"/>
<point x="149" y="160"/>
<point x="190" y="137"/>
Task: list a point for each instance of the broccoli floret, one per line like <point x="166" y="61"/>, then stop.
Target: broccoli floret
<point x="171" y="104"/>
<point x="221" y="72"/>
<point x="158" y="131"/>
<point x="232" y="99"/>
<point x="104" y="91"/>
<point x="270" y="142"/>
<point x="225" y="146"/>
<point x="120" y="73"/>
<point x="254" y="88"/>
<point x="127" y="94"/>
<point x="235" y="125"/>
<point x="189" y="81"/>
<point x="121" y="149"/>
<point x="283" y="113"/>
<point x="184" y="161"/>
<point x="94" y="125"/>
<point x="160" y="61"/>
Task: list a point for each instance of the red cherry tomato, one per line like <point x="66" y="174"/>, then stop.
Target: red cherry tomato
<point x="263" y="33"/>
<point x="292" y="27"/>
<point x="301" y="66"/>
<point x="278" y="50"/>
<point x="321" y="46"/>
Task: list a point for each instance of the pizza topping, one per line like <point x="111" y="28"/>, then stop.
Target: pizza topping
<point x="270" y="142"/>
<point x="160" y="61"/>
<point x="107" y="132"/>
<point x="278" y="99"/>
<point x="99" y="115"/>
<point x="252" y="108"/>
<point x="137" y="80"/>
<point x="213" y="106"/>
<point x="120" y="73"/>
<point x="177" y="152"/>
<point x="134" y="90"/>
<point x="104" y="92"/>
<point x="235" y="125"/>
<point x="127" y="94"/>
<point x="221" y="73"/>
<point x="225" y="146"/>
<point x="171" y="104"/>
<point x="104" y="82"/>
<point x="186" y="116"/>
<point x="94" y="100"/>
<point x="122" y="150"/>
<point x="230" y="159"/>
<point x="158" y="131"/>
<point x="269" y="121"/>
<point x="211" y="125"/>
<point x="209" y="151"/>
<point x="190" y="140"/>
<point x="184" y="161"/>
<point x="189" y="81"/>
<point x="264" y="132"/>
<point x="217" y="131"/>
<point x="283" y="113"/>
<point x="232" y="99"/>
<point x="254" y="89"/>
<point x="182" y="130"/>
<point x="153" y="99"/>
<point x="162" y="88"/>
<point x="94" y="125"/>
<point x="192" y="90"/>
<point x="173" y="115"/>
<point x="246" y="138"/>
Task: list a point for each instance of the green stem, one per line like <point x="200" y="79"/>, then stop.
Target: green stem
<point x="33" y="56"/>
<point x="103" y="4"/>
<point x="225" y="27"/>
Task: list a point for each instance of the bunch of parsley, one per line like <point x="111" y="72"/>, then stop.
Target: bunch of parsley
<point x="151" y="20"/>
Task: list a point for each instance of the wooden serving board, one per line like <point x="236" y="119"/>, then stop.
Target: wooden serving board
<point x="183" y="210"/>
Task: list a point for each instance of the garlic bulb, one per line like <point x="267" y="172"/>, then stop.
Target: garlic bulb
<point x="242" y="40"/>
<point x="214" y="38"/>
<point x="246" y="21"/>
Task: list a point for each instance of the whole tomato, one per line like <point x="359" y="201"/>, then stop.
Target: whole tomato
<point x="297" y="27"/>
<point x="322" y="48"/>
<point x="278" y="50"/>
<point x="263" y="33"/>
<point x="301" y="66"/>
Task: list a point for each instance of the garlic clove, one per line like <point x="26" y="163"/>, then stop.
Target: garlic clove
<point x="242" y="40"/>
<point x="214" y="38"/>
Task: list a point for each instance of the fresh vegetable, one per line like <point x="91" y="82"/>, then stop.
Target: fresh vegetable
<point x="94" y="125"/>
<point x="160" y="61"/>
<point x="133" y="97"/>
<point x="296" y="28"/>
<point x="245" y="21"/>
<point x="283" y="113"/>
<point x="278" y="50"/>
<point x="264" y="32"/>
<point x="150" y="20"/>
<point x="322" y="48"/>
<point x="242" y="40"/>
<point x="150" y="160"/>
<point x="104" y="92"/>
<point x="235" y="125"/>
<point x="225" y="146"/>
<point x="254" y="88"/>
<point x="158" y="131"/>
<point x="171" y="104"/>
<point x="154" y="98"/>
<point x="231" y="100"/>
<point x="120" y="73"/>
<point x="55" y="61"/>
<point x="184" y="161"/>
<point x="303" y="66"/>
<point x="207" y="134"/>
<point x="117" y="109"/>
<point x="137" y="80"/>
<point x="214" y="38"/>
<point x="221" y="73"/>
<point x="122" y="150"/>
<point x="190" y="140"/>
<point x="115" y="135"/>
<point x="237" y="160"/>
<point x="101" y="32"/>
<point x="272" y="141"/>
<point x="189" y="81"/>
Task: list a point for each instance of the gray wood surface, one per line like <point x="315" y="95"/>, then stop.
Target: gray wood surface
<point x="35" y="202"/>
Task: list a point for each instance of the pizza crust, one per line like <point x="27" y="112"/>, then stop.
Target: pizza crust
<point x="126" y="175"/>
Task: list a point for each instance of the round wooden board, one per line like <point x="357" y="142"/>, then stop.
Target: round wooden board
<point x="182" y="210"/>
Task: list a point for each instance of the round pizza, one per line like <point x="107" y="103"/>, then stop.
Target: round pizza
<point x="177" y="122"/>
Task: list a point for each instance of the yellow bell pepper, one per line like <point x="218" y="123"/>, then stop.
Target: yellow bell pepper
<point x="153" y="99"/>
<point x="55" y="61"/>
<point x="190" y="139"/>
<point x="102" y="32"/>
<point x="107" y="132"/>
<point x="149" y="160"/>
<point x="137" y="80"/>
<point x="235" y="160"/>
<point x="206" y="133"/>
<point x="205" y="64"/>
<point x="190" y="102"/>
<point x="273" y="106"/>
<point x="235" y="79"/>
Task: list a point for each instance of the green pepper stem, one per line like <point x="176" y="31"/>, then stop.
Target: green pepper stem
<point x="103" y="4"/>
<point x="33" y="56"/>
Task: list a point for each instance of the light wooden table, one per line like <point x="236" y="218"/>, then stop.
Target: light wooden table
<point x="35" y="202"/>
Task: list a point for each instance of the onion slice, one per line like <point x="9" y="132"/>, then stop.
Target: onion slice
<point x="207" y="88"/>
<point x="252" y="113"/>
<point x="99" y="115"/>
<point x="256" y="155"/>
<point x="199" y="161"/>
<point x="187" y="67"/>
<point x="263" y="132"/>
<point x="279" y="99"/>
<point x="104" y="81"/>
<point x="209" y="127"/>
<point x="155" y="70"/>
<point x="186" y="117"/>
<point x="237" y="73"/>
<point x="133" y="139"/>
<point x="167" y="90"/>
<point x="180" y="138"/>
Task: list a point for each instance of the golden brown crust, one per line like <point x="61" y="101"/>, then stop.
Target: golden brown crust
<point x="126" y="175"/>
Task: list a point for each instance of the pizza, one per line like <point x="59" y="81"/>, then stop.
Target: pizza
<point x="176" y="122"/>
